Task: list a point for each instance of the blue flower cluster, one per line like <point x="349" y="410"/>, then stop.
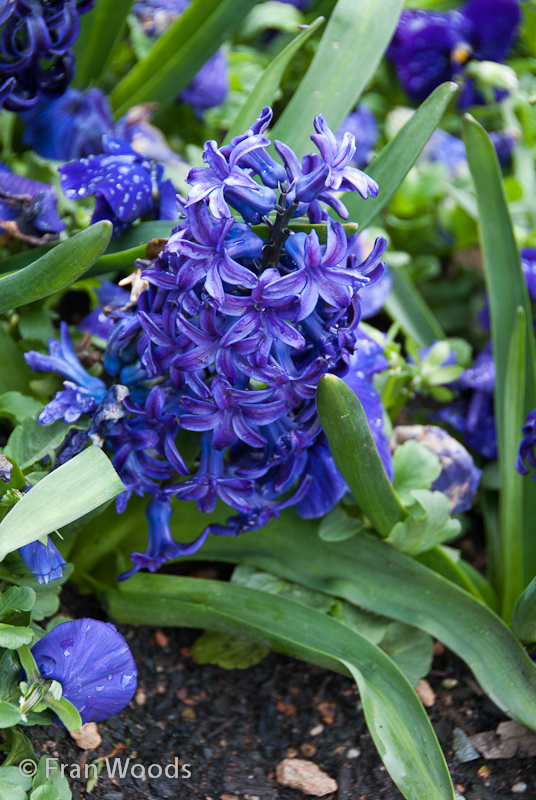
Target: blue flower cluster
<point x="431" y="47"/>
<point x="229" y="338"/>
<point x="36" y="58"/>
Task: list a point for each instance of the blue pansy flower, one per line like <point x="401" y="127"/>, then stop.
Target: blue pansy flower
<point x="431" y="47"/>
<point x="92" y="662"/>
<point x="126" y="185"/>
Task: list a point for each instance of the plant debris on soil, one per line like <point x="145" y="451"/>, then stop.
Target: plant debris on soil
<point x="233" y="727"/>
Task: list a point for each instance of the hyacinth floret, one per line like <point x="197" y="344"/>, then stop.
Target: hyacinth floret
<point x="240" y="318"/>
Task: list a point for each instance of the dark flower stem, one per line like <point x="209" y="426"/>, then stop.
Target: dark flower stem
<point x="272" y="250"/>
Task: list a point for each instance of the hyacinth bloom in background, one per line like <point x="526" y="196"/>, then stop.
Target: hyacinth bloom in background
<point x="36" y="56"/>
<point x="459" y="478"/>
<point x="444" y="148"/>
<point x="472" y="414"/>
<point x="68" y="127"/>
<point x="92" y="662"/>
<point x="431" y="47"/>
<point x="45" y="561"/>
<point x="230" y="339"/>
<point x="28" y="208"/>
<point x="362" y="124"/>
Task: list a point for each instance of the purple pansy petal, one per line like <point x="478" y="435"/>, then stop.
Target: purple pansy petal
<point x="93" y="664"/>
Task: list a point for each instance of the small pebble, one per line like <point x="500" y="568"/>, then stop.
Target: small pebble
<point x="449" y="683"/>
<point x="353" y="752"/>
<point x="140" y="697"/>
<point x="291" y="752"/>
<point x="160" y="638"/>
<point x="305" y="776"/>
<point x="426" y="694"/>
<point x="188" y="713"/>
<point x="317" y="730"/>
<point x="484" y="771"/>
<point x="307" y="749"/>
<point x="519" y="787"/>
<point x="439" y="648"/>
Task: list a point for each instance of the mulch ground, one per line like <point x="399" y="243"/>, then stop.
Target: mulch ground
<point x="232" y="727"/>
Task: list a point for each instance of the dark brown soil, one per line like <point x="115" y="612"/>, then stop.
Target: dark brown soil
<point x="233" y="727"/>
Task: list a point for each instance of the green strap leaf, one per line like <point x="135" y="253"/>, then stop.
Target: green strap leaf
<point x="100" y="30"/>
<point x="398" y="156"/>
<point x="56" y="269"/>
<point x="396" y="719"/>
<point x="406" y="305"/>
<point x="180" y="53"/>
<point x="77" y="487"/>
<point x="507" y="292"/>
<point x="524" y="614"/>
<point x="511" y="498"/>
<point x="345" y="424"/>
<point x="356" y="37"/>
<point x="371" y="574"/>
<point x="120" y="253"/>
<point x="266" y="87"/>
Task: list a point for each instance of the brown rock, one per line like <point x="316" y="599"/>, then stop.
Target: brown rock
<point x="88" y="737"/>
<point x="327" y="712"/>
<point x="426" y="694"/>
<point x="306" y="776"/>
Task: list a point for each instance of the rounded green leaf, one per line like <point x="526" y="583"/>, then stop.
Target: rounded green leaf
<point x="56" y="269"/>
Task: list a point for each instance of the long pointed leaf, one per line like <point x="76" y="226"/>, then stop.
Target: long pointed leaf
<point x="397" y="158"/>
<point x="398" y="724"/>
<point x="56" y="269"/>
<point x="345" y="424"/>
<point x="100" y="31"/>
<point x="363" y="570"/>
<point x="375" y="576"/>
<point x="511" y="499"/>
<point x="406" y="305"/>
<point x="524" y="614"/>
<point x="356" y="37"/>
<point x="77" y="487"/>
<point x="180" y="53"/>
<point x="266" y="87"/>
<point x="506" y="291"/>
